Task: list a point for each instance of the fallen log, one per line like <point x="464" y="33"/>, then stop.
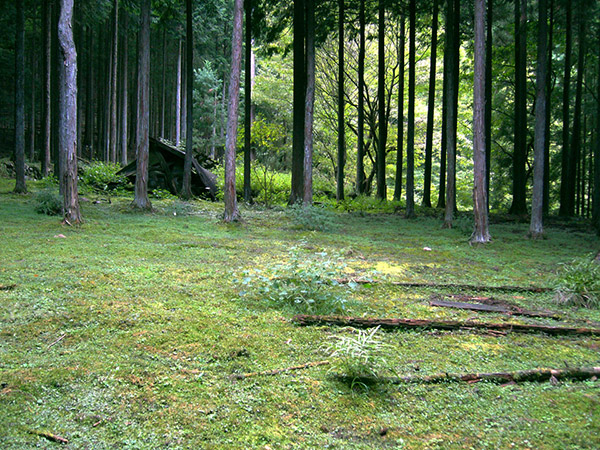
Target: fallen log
<point x="394" y="323"/>
<point x="516" y="311"/>
<point x="50" y="436"/>
<point x="241" y="376"/>
<point x="7" y="287"/>
<point x="459" y="286"/>
<point x="536" y="375"/>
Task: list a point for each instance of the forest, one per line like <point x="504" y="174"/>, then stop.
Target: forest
<point x="345" y="224"/>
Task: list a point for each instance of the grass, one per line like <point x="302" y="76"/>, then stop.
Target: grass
<point x="123" y="334"/>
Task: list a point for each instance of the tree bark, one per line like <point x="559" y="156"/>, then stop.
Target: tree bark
<point x="141" y="200"/>
<point x="400" y="140"/>
<point x="32" y="115"/>
<point x="68" y="115"/>
<point x="113" y="85"/>
<point x="46" y="155"/>
<point x="393" y="323"/>
<point x="163" y="86"/>
<point x="546" y="196"/>
<point x="565" y="182"/>
<point x="488" y="98"/>
<point x="299" y="98"/>
<point x="443" y="154"/>
<point x="186" y="189"/>
<point x="575" y="148"/>
<point x="596" y="200"/>
<point x="410" y="131"/>
<point x="55" y="100"/>
<point x="382" y="138"/>
<point x="178" y="96"/>
<point x="481" y="233"/>
<point x="341" y="153"/>
<point x="309" y="102"/>
<point x="518" y="205"/>
<point x="451" y="99"/>
<point x="360" y="152"/>
<point x="248" y="105"/>
<point x="231" y="210"/>
<point x="20" y="186"/>
<point x="536" y="228"/>
<point x="430" y="109"/>
<point x="124" y="91"/>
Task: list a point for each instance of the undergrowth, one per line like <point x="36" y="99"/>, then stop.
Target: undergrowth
<point x="578" y="283"/>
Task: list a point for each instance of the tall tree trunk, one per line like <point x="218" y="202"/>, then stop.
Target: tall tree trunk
<point x="400" y="138"/>
<point x="451" y="99"/>
<point x="299" y="97"/>
<point x="113" y="88"/>
<point x="596" y="193"/>
<point x="186" y="190"/>
<point x="381" y="144"/>
<point x="163" y="86"/>
<point x="430" y="108"/>
<point x="68" y="115"/>
<point x="231" y="210"/>
<point x="46" y="155"/>
<point x="79" y="40"/>
<point x="360" y="152"/>
<point x="546" y="202"/>
<point x="309" y="102"/>
<point x="565" y="182"/>
<point x="178" y="97"/>
<point x="481" y="233"/>
<point x="536" y="228"/>
<point x="488" y="97"/>
<point x="341" y="155"/>
<point x="55" y="100"/>
<point x="88" y="137"/>
<point x="141" y="200"/>
<point x="20" y="186"/>
<point x="125" y="90"/>
<point x="441" y="204"/>
<point x="520" y="125"/>
<point x="410" y="131"/>
<point x="576" y="135"/>
<point x="32" y="115"/>
<point x="248" y="105"/>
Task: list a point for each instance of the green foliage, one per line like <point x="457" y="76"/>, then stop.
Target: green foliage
<point x="48" y="201"/>
<point x="101" y="177"/>
<point x="360" y="355"/>
<point x="578" y="283"/>
<point x="162" y="194"/>
<point x="311" y="218"/>
<point x="304" y="283"/>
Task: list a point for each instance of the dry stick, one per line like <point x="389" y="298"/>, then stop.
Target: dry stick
<point x="7" y="287"/>
<point x="57" y="340"/>
<point x="516" y="311"/>
<point x="580" y="373"/>
<point x="387" y="323"/>
<point x="241" y="376"/>
<point x="50" y="436"/>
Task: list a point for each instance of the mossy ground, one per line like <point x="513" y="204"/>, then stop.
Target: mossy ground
<point x="123" y="334"/>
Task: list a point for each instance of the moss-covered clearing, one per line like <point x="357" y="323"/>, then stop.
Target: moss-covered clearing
<point x="123" y="333"/>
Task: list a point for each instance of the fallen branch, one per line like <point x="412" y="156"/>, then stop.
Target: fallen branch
<point x="516" y="311"/>
<point x="391" y="323"/>
<point x="7" y="287"/>
<point x="580" y="373"/>
<point x="471" y="287"/>
<point x="57" y="340"/>
<point x="241" y="376"/>
<point x="50" y="436"/>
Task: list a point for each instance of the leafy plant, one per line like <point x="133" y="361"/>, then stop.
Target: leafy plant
<point x="305" y="283"/>
<point x="311" y="217"/>
<point x="578" y="284"/>
<point x="358" y="356"/>
<point x="48" y="201"/>
<point x="101" y="176"/>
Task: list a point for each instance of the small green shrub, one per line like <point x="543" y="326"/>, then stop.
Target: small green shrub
<point x="578" y="284"/>
<point x="311" y="218"/>
<point x="304" y="283"/>
<point x="49" y="181"/>
<point x="48" y="201"/>
<point x="360" y="355"/>
<point x="101" y="176"/>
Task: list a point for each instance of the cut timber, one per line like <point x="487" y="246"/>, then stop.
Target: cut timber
<point x="580" y="373"/>
<point x="50" y="436"/>
<point x="241" y="376"/>
<point x="492" y="308"/>
<point x="471" y="287"/>
<point x="392" y="323"/>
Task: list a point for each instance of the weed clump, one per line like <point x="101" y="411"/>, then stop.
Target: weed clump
<point x="311" y="218"/>
<point x="48" y="201"/>
<point x="102" y="177"/>
<point x="578" y="284"/>
<point x="304" y="283"/>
